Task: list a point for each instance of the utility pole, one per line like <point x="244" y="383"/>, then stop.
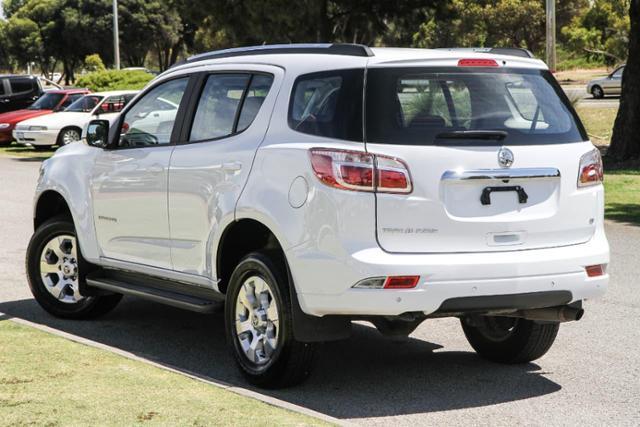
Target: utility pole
<point x="116" y="37"/>
<point x="551" y="35"/>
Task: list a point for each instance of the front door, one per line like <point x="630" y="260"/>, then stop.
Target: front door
<point x="211" y="164"/>
<point x="129" y="181"/>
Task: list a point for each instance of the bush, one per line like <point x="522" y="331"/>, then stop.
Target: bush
<point x="94" y="63"/>
<point x="114" y="80"/>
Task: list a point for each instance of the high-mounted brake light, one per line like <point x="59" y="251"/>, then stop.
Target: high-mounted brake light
<point x="591" y="171"/>
<point x="360" y="171"/>
<point x="477" y="63"/>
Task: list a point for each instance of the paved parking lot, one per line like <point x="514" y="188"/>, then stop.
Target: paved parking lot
<point x="591" y="376"/>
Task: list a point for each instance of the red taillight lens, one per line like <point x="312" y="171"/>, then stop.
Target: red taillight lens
<point x="360" y="171"/>
<point x="477" y="63"/>
<point x="392" y="175"/>
<point x="591" y="171"/>
<point x="594" y="270"/>
<point x="401" y="282"/>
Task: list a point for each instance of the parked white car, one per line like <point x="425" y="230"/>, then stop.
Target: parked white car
<point x="66" y="126"/>
<point x="307" y="186"/>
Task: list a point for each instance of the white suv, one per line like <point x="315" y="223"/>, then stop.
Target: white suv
<point x="306" y="186"/>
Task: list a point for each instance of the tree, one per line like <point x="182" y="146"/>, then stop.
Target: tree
<point x="625" y="142"/>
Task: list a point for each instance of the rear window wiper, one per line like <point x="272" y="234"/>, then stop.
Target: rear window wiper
<point x="494" y="135"/>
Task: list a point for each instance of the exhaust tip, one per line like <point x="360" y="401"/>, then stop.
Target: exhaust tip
<point x="579" y="314"/>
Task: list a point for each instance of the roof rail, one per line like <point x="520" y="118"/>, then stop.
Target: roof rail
<point x="318" y="48"/>
<point x="512" y="51"/>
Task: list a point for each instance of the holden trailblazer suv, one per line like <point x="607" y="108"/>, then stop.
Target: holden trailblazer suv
<point x="307" y="186"/>
<point x="51" y="102"/>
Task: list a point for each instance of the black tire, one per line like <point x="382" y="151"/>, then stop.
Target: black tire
<point x="76" y="132"/>
<point x="597" y="92"/>
<point x="87" y="308"/>
<point x="290" y="363"/>
<point x="509" y="340"/>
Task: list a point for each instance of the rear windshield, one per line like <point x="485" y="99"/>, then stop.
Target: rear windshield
<point x="420" y="106"/>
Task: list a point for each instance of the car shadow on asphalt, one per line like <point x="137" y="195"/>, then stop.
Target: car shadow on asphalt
<point x="365" y="376"/>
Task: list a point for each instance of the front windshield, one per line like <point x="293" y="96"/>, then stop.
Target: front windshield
<point x="417" y="106"/>
<point x="48" y="101"/>
<point x="86" y="104"/>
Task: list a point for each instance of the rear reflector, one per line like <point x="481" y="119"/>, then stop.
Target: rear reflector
<point x="401" y="282"/>
<point x="477" y="63"/>
<point x="594" y="270"/>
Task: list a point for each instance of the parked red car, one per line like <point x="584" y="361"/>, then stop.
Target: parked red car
<point x="50" y="102"/>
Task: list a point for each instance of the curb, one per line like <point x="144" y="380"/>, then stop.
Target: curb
<point x="269" y="400"/>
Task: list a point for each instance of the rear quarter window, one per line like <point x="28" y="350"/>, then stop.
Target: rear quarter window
<point x="328" y="104"/>
<point x="22" y="85"/>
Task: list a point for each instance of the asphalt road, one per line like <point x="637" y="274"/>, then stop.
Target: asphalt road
<point x="586" y="100"/>
<point x="590" y="377"/>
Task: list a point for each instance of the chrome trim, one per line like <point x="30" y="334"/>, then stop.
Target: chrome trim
<point x="501" y="174"/>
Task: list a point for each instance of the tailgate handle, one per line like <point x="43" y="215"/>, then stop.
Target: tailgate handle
<point x="485" y="198"/>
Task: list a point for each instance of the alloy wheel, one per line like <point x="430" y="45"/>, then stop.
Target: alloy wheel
<point x="59" y="269"/>
<point x="256" y="320"/>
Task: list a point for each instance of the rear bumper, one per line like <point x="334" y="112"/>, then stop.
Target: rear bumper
<point x="444" y="277"/>
<point x="45" y="137"/>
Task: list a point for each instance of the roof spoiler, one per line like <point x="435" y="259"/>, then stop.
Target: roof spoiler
<point x="511" y="51"/>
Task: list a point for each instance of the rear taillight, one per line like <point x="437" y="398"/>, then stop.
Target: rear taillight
<point x="477" y="63"/>
<point x="360" y="171"/>
<point x="591" y="171"/>
<point x="595" y="270"/>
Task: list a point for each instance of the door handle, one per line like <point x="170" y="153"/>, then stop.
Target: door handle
<point x="232" y="166"/>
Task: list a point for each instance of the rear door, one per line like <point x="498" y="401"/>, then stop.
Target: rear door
<point x="493" y="156"/>
<point x="210" y="165"/>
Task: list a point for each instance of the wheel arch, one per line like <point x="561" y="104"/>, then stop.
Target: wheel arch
<point x="247" y="235"/>
<point x="48" y="205"/>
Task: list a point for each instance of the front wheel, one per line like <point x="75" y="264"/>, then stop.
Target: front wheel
<point x="55" y="268"/>
<point x="509" y="339"/>
<point x="69" y="135"/>
<point x="258" y="323"/>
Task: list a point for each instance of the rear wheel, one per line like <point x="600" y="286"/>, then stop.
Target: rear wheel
<point x="597" y="92"/>
<point x="509" y="339"/>
<point x="258" y="323"/>
<point x="55" y="268"/>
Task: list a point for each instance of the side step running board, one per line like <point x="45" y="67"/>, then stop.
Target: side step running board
<point x="185" y="296"/>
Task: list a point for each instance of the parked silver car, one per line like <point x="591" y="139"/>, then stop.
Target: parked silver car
<point x="610" y="85"/>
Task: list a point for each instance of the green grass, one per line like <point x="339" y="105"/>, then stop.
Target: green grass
<point x="622" y="195"/>
<point x="580" y="76"/>
<point x="48" y="380"/>
<point x="599" y="123"/>
<point x="15" y="150"/>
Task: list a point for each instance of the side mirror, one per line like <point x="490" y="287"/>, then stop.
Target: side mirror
<point x="98" y="133"/>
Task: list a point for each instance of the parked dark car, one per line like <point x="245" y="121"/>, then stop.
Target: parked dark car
<point x="18" y="92"/>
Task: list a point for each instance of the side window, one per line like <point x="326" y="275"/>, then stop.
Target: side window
<point x="328" y="104"/>
<point x="257" y="92"/>
<point x="1" y="86"/>
<point x="21" y="85"/>
<point x="146" y="124"/>
<point x="218" y="105"/>
<point x="113" y="104"/>
<point x="618" y="73"/>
